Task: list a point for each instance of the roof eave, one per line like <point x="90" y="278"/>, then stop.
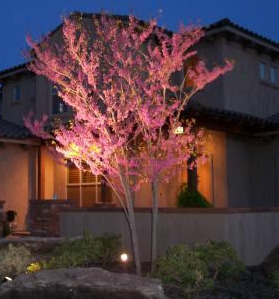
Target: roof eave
<point x="243" y="35"/>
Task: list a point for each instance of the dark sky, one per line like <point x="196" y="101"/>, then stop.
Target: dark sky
<point x="19" y="17"/>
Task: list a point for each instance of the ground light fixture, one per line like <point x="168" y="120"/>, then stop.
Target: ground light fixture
<point x="124" y="259"/>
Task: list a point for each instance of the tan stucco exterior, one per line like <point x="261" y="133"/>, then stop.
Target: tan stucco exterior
<point x="241" y="171"/>
<point x="17" y="179"/>
<point x="53" y="177"/>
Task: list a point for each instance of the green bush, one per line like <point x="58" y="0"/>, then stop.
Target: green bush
<point x="221" y="260"/>
<point x="274" y="279"/>
<point x="182" y="266"/>
<point x="87" y="250"/>
<point x="199" y="267"/>
<point x="192" y="199"/>
<point x="13" y="260"/>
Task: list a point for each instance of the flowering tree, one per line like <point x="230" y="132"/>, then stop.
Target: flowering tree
<point x="118" y="77"/>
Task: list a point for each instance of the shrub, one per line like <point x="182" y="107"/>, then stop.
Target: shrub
<point x="221" y="260"/>
<point x="13" y="260"/>
<point x="182" y="266"/>
<point x="192" y="199"/>
<point x="200" y="267"/>
<point x="87" y="250"/>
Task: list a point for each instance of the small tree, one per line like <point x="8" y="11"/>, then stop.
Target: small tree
<point x="118" y="79"/>
<point x="163" y="148"/>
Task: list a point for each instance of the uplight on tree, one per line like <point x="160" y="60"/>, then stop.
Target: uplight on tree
<point x="118" y="82"/>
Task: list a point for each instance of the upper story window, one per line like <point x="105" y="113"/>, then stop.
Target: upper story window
<point x="190" y="64"/>
<point x="58" y="106"/>
<point x="16" y="94"/>
<point x="263" y="71"/>
<point x="273" y="75"/>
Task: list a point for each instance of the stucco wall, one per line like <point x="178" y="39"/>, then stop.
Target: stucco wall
<point x="253" y="169"/>
<point x="14" y="184"/>
<point x="14" y="111"/>
<point x="212" y="52"/>
<point x="53" y="177"/>
<point x="253" y="234"/>
<point x="244" y="91"/>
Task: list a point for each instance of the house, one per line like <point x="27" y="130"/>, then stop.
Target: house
<point x="239" y="112"/>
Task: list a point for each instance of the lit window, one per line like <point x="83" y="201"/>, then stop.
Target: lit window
<point x="16" y="93"/>
<point x="273" y="75"/>
<point x="84" y="188"/>
<point x="190" y="64"/>
<point x="58" y="106"/>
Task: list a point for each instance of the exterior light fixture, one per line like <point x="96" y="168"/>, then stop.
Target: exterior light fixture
<point x="8" y="278"/>
<point x="124" y="257"/>
<point x="179" y="130"/>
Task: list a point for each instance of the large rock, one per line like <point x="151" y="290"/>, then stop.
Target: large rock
<point x="83" y="283"/>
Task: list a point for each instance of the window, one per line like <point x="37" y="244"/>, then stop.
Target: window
<point x="58" y="106"/>
<point x="83" y="188"/>
<point x="16" y="93"/>
<point x="262" y="70"/>
<point x="190" y="64"/>
<point x="273" y="75"/>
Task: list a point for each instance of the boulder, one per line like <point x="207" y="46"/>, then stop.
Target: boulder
<point x="83" y="283"/>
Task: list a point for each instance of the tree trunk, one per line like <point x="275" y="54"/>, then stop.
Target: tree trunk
<point x="154" y="225"/>
<point x="133" y="230"/>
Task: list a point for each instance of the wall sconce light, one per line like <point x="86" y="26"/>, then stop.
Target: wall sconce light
<point x="179" y="130"/>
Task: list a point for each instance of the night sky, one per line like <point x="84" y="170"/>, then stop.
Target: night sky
<point x="18" y="17"/>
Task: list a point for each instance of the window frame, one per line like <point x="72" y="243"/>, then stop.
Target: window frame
<point x="81" y="184"/>
<point x="54" y="92"/>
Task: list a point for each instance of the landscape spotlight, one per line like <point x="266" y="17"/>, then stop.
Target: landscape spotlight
<point x="124" y="257"/>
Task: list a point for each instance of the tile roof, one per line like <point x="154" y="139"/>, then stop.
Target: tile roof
<point x="227" y="118"/>
<point x="13" y="131"/>
<point x="227" y="22"/>
<point x="219" y="24"/>
<point x="13" y="68"/>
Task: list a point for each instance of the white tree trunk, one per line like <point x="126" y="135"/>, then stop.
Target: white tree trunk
<point x="154" y="225"/>
<point x="133" y="229"/>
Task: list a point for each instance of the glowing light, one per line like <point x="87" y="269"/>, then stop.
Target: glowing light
<point x="8" y="278"/>
<point x="179" y="130"/>
<point x="124" y="257"/>
<point x="73" y="151"/>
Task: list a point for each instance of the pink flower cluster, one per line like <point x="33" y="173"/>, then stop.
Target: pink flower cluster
<point x="125" y="82"/>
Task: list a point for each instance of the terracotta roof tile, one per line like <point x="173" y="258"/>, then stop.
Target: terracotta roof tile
<point x="13" y="131"/>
